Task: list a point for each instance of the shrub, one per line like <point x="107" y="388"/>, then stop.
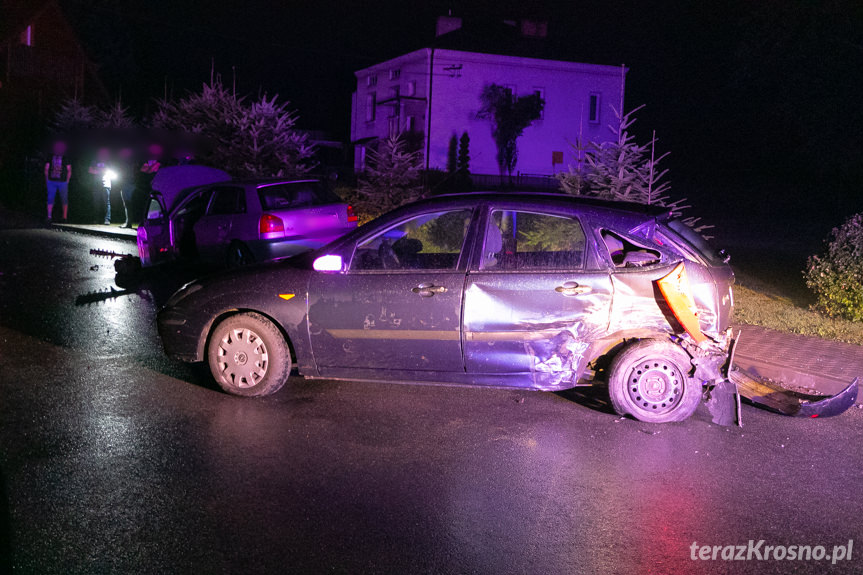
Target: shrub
<point x="836" y="276"/>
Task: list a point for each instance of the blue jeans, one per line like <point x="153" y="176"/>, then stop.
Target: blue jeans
<point x="102" y="197"/>
<point x="54" y="188"/>
<point x="126" y="195"/>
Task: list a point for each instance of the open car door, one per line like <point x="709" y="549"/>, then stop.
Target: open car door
<point x="170" y="186"/>
<point x="154" y="234"/>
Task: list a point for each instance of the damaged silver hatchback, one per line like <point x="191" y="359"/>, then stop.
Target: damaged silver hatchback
<point x="520" y="290"/>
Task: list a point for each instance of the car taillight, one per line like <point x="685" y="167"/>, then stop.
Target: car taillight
<point x="271" y="224"/>
<point x="352" y="217"/>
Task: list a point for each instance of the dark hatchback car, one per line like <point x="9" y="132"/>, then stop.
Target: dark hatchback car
<point x="523" y="290"/>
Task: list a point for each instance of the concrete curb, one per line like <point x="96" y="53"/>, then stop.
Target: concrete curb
<point x="112" y="231"/>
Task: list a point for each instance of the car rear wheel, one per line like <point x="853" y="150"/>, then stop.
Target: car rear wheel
<point x="650" y="381"/>
<point x="248" y="355"/>
<point x="239" y="255"/>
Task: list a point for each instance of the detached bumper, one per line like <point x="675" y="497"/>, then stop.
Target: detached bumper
<point x="776" y="398"/>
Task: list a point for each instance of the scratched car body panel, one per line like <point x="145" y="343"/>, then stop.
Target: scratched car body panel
<point x="507" y="290"/>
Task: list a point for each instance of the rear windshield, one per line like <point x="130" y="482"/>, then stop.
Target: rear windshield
<point x="697" y="242"/>
<point x="295" y="195"/>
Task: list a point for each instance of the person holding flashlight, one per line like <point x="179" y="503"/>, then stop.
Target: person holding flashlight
<point x="104" y="175"/>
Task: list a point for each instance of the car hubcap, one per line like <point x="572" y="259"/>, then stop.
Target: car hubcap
<point x="655" y="386"/>
<point x="242" y="358"/>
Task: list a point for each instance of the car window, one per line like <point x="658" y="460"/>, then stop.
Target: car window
<point x="154" y="210"/>
<point x="626" y="254"/>
<point x="426" y="242"/>
<point x="294" y="195"/>
<point x="228" y="200"/>
<point x="516" y="240"/>
<point x="196" y="205"/>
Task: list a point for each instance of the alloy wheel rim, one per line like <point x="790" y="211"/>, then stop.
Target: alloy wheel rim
<point x="242" y="358"/>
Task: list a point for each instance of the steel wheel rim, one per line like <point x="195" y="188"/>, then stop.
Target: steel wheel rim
<point x="655" y="385"/>
<point x="242" y="358"/>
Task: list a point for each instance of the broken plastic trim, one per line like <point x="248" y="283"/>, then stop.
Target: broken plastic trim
<point x="676" y="291"/>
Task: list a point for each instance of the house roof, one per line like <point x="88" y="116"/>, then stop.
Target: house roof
<point x="495" y="37"/>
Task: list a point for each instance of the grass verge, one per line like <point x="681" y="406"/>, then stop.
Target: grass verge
<point x="782" y="314"/>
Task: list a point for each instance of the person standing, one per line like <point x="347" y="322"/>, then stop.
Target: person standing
<point x="127" y="175"/>
<point x="58" y="172"/>
<point x="149" y="170"/>
<point x="104" y="175"/>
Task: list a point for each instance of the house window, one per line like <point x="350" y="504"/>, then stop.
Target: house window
<point x="361" y="158"/>
<point x="593" y="109"/>
<point x="411" y="124"/>
<point x="541" y="93"/>
<point x="511" y="90"/>
<point x="393" y="127"/>
<point x="371" y="103"/>
<point x="371" y="80"/>
<point x="27" y="36"/>
<point x="411" y="89"/>
<point x="395" y="74"/>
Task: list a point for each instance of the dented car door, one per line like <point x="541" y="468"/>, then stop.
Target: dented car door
<point x="535" y="298"/>
<point x="398" y="305"/>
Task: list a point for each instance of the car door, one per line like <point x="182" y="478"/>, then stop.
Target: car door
<point x="214" y="230"/>
<point x="532" y="304"/>
<point x="398" y="305"/>
<point x="154" y="238"/>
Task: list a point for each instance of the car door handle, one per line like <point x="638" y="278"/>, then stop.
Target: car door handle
<point x="572" y="288"/>
<point x="428" y="290"/>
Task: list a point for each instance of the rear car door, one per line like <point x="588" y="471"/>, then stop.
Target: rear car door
<point x="214" y="230"/>
<point x="535" y="297"/>
<point x="398" y="305"/>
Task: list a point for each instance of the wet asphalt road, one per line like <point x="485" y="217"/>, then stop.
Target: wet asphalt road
<point x="114" y="459"/>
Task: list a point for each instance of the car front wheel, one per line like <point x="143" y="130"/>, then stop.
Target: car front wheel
<point x="650" y="381"/>
<point x="248" y="355"/>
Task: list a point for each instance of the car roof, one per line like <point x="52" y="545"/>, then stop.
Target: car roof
<point x="547" y="199"/>
<point x="255" y="182"/>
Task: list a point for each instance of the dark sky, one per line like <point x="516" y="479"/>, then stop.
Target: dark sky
<point x="762" y="95"/>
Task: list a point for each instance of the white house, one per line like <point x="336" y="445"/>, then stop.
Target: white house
<point x="435" y="91"/>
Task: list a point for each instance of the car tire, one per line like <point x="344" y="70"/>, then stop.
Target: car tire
<point x="238" y="255"/>
<point x="650" y="380"/>
<point x="248" y="355"/>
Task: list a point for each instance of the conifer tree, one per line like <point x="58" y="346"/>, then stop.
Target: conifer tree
<point x="115" y="116"/>
<point x="391" y="179"/>
<point x="73" y="116"/>
<point x="452" y="155"/>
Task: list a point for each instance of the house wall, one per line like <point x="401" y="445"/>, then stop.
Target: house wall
<point x="412" y="69"/>
<point x="457" y="81"/>
<point x="566" y="88"/>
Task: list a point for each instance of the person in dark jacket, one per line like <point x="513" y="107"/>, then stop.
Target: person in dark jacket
<point x="104" y="175"/>
<point x="58" y="171"/>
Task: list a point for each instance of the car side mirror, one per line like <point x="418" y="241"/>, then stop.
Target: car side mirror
<point x="328" y="263"/>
